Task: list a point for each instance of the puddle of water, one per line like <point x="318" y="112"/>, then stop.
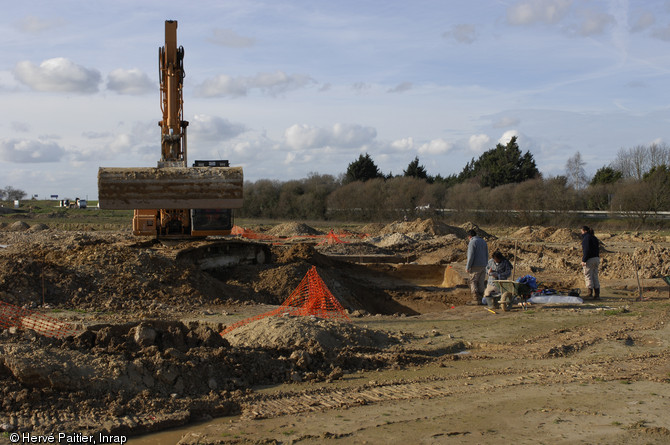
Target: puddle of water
<point x="174" y="435"/>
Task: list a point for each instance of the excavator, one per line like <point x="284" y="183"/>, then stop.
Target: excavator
<point x="173" y="200"/>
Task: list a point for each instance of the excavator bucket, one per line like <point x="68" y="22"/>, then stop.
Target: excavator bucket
<point x="170" y="188"/>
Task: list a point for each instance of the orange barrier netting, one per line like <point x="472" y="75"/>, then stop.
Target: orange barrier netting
<point x="250" y="234"/>
<point x="14" y="316"/>
<point x="311" y="297"/>
<point x="331" y="238"/>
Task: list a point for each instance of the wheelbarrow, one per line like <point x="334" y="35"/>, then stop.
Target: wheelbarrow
<point x="510" y="292"/>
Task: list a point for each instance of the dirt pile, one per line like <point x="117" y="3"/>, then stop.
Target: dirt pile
<point x="372" y="228"/>
<point x="18" y="226"/>
<point x="99" y="272"/>
<point x="427" y="226"/>
<point x="472" y="226"/>
<point x="154" y="374"/>
<point x="353" y="248"/>
<point x="564" y="236"/>
<point x="295" y="332"/>
<point x="293" y="229"/>
<point x="650" y="262"/>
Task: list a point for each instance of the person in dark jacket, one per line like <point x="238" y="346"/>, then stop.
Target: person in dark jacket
<point x="591" y="261"/>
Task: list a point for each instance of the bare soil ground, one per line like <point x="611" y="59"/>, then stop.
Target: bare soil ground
<point x="415" y="365"/>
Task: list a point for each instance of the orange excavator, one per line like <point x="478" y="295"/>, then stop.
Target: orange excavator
<point x="173" y="199"/>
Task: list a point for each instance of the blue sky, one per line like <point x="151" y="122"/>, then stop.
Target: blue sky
<point x="288" y="88"/>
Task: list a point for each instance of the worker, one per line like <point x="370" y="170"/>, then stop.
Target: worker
<point x="498" y="268"/>
<point x="590" y="261"/>
<point x="478" y="255"/>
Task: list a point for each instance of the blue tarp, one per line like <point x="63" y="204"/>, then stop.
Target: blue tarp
<point x="528" y="280"/>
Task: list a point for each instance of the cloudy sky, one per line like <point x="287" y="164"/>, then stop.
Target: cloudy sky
<point x="288" y="88"/>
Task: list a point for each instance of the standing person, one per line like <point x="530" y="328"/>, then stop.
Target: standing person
<point x="498" y="268"/>
<point x="590" y="261"/>
<point x="478" y="255"/>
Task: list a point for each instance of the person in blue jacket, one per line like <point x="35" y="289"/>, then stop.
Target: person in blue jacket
<point x="591" y="261"/>
<point x="478" y="256"/>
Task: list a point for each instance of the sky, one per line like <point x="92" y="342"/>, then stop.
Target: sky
<point x="287" y="89"/>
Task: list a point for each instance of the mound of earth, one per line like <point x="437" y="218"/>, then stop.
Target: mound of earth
<point x="299" y="332"/>
<point x="530" y="233"/>
<point x="396" y="240"/>
<point x="426" y="226"/>
<point x="472" y="226"/>
<point x="293" y="229"/>
<point x="563" y="236"/>
<point x="19" y="226"/>
<point x="372" y="228"/>
<point x="353" y="248"/>
<point x="39" y="227"/>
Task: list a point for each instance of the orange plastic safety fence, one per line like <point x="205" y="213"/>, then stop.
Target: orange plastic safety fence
<point x="311" y="297"/>
<point x="249" y="234"/>
<point x="14" y="316"/>
<point x="331" y="238"/>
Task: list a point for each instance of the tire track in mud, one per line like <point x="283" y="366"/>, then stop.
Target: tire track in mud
<point x="557" y="346"/>
<point x="340" y="398"/>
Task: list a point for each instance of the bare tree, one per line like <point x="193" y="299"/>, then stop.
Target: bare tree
<point x="635" y="162"/>
<point x="574" y="171"/>
<point x="10" y="193"/>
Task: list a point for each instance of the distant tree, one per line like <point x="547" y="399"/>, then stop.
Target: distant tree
<point x="10" y="193"/>
<point x="414" y="170"/>
<point x="606" y="175"/>
<point x="261" y="199"/>
<point x="658" y="182"/>
<point x="362" y="169"/>
<point x="574" y="171"/>
<point x="503" y="164"/>
<point x="636" y="161"/>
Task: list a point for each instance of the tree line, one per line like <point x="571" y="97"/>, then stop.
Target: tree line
<point x="10" y="193"/>
<point x="501" y="179"/>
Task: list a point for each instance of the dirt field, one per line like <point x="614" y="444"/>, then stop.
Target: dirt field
<point x="414" y="365"/>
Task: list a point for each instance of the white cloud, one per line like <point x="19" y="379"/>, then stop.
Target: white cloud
<point x="507" y="136"/>
<point x="463" y="33"/>
<point x="359" y="87"/>
<point x="404" y="86"/>
<point x="662" y="33"/>
<point x="30" y="151"/>
<point x="20" y="127"/>
<point x="593" y="23"/>
<point x="269" y="83"/>
<point x="479" y="142"/>
<point x="527" y="12"/>
<point x="404" y="144"/>
<point x="213" y="128"/>
<point x="641" y="21"/>
<point x="300" y="137"/>
<point x="57" y="75"/>
<point x="230" y="39"/>
<point x="435" y="147"/>
<point x="132" y="82"/>
<point x="34" y="25"/>
<point x="506" y="121"/>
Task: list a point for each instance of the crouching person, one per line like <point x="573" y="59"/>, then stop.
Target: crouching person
<point x="498" y="268"/>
